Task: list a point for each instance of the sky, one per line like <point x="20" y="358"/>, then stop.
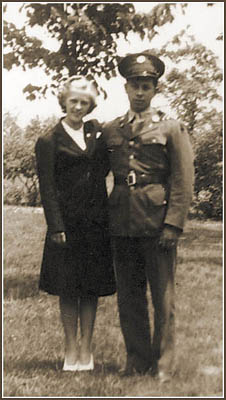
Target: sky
<point x="206" y="23"/>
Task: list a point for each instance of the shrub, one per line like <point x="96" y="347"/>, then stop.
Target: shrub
<point x="209" y="170"/>
<point x="20" y="162"/>
<point x="13" y="194"/>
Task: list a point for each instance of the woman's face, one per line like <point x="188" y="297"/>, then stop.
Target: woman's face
<point x="77" y="106"/>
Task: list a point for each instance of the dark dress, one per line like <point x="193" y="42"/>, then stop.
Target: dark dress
<point x="74" y="197"/>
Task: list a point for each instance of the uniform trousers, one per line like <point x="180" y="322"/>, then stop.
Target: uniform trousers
<point x="139" y="261"/>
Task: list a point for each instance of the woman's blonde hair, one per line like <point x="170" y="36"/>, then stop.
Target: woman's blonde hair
<point x="80" y="84"/>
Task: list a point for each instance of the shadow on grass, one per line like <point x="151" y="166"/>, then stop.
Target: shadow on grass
<point x="202" y="234"/>
<point x="31" y="365"/>
<point x="197" y="260"/>
<point x="36" y="365"/>
<point x="21" y="287"/>
<point x="106" y="368"/>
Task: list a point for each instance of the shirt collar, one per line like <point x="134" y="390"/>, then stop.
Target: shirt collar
<point x="142" y="115"/>
<point x="71" y="130"/>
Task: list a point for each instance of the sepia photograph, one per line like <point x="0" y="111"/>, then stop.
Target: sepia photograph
<point x="112" y="182"/>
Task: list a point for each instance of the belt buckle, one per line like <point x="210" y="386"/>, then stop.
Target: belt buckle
<point x="131" y="178"/>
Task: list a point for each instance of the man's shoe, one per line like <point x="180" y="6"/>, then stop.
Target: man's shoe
<point x="154" y="370"/>
<point x="131" y="370"/>
<point x="127" y="372"/>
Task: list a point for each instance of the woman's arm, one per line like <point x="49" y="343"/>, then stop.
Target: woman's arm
<point x="45" y="157"/>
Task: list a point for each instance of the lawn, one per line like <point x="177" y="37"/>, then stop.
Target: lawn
<point x="33" y="337"/>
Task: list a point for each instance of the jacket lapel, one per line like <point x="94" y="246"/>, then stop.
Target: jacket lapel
<point x="65" y="139"/>
<point x="125" y="127"/>
<point x="90" y="137"/>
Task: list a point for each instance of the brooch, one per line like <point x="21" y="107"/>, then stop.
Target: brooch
<point x="156" y="118"/>
<point x="98" y="134"/>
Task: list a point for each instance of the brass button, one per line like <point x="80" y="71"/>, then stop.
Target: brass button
<point x="131" y="157"/>
<point x="154" y="140"/>
<point x="131" y="142"/>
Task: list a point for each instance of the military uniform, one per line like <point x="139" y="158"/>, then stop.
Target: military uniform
<point x="152" y="163"/>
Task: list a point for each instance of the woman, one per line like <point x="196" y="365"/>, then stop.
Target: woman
<point x="77" y="265"/>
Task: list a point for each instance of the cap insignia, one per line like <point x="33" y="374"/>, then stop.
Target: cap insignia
<point x="141" y="59"/>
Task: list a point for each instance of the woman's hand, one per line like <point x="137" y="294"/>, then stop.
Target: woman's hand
<point x="58" y="238"/>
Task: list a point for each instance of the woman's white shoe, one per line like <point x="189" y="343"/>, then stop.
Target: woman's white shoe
<point x="70" y="367"/>
<point x="87" y="367"/>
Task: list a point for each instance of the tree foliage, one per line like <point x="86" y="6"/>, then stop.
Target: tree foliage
<point x="192" y="88"/>
<point x="193" y="91"/>
<point x="86" y="34"/>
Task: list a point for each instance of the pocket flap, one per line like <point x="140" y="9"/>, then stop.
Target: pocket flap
<point x="114" y="141"/>
<point x="153" y="138"/>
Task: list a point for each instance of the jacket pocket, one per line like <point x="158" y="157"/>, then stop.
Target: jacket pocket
<point x="155" y="195"/>
<point x="148" y="209"/>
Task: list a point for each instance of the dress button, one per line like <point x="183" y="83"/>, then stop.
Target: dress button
<point x="88" y="135"/>
<point x="131" y="157"/>
<point x="131" y="142"/>
<point x="153" y="140"/>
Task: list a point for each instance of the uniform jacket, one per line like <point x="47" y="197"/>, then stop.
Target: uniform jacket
<point x="161" y="156"/>
<point x="72" y="181"/>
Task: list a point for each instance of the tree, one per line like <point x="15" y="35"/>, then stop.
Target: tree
<point x="86" y="34"/>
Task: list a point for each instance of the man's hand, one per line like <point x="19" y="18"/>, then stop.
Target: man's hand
<point x="169" y="237"/>
<point x="59" y="237"/>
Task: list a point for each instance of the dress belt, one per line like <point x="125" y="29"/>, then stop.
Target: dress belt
<point x="133" y="179"/>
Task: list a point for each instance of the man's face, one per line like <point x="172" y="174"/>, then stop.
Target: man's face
<point x="140" y="91"/>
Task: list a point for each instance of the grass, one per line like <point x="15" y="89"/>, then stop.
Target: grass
<point x="33" y="335"/>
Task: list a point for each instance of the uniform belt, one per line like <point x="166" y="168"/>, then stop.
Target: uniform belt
<point x="134" y="179"/>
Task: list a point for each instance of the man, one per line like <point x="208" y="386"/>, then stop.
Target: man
<point x="152" y="163"/>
